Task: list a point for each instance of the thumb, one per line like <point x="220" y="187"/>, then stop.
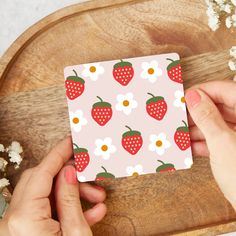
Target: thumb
<point x="205" y="115"/>
<point x="68" y="204"/>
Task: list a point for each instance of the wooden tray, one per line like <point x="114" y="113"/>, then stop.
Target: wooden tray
<point x="102" y="30"/>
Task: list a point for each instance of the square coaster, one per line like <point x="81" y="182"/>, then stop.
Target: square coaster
<point x="128" y="117"/>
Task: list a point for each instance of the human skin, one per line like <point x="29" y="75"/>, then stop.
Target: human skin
<point x="212" y="108"/>
<point x="30" y="210"/>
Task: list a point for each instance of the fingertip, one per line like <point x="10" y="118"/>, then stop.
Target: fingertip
<point x="95" y="214"/>
<point x="92" y="193"/>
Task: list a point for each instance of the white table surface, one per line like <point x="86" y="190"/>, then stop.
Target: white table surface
<point x="17" y="15"/>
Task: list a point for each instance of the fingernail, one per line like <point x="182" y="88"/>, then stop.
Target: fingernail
<point x="70" y="174"/>
<point x="192" y="98"/>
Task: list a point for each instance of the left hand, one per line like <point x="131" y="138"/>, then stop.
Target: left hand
<point x="30" y="211"/>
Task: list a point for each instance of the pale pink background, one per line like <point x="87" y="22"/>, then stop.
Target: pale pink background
<point x="108" y="88"/>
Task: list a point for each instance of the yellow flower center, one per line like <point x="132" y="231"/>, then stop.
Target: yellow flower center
<point x="92" y="69"/>
<point x="75" y="120"/>
<point x="158" y="143"/>
<point x="135" y="174"/>
<point x="104" y="148"/>
<point x="125" y="103"/>
<point x="150" y="71"/>
<point x="183" y="99"/>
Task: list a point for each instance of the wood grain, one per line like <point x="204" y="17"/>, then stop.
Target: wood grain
<point x="188" y="198"/>
<point x="103" y="30"/>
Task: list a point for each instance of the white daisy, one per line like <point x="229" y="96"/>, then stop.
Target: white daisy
<point x="104" y="148"/>
<point x="81" y="178"/>
<point x="77" y="120"/>
<point x="126" y="103"/>
<point x="188" y="162"/>
<point x="135" y="170"/>
<point x="180" y="100"/>
<point x="3" y="164"/>
<point x="159" y="143"/>
<point x="92" y="71"/>
<point x="151" y="71"/>
<point x="228" y="22"/>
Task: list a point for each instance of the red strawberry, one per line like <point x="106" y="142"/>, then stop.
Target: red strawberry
<point x="182" y="137"/>
<point x="156" y="107"/>
<point x="132" y="141"/>
<point x="123" y="72"/>
<point x="101" y="112"/>
<point x="74" y="86"/>
<point x="81" y="158"/>
<point x="165" y="167"/>
<point x="174" y="71"/>
<point x="104" y="175"/>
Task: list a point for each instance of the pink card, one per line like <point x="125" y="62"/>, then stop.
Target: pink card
<point x="128" y="117"/>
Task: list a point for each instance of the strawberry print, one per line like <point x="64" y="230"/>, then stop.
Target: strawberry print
<point x="165" y="167"/>
<point x="81" y="158"/>
<point x="132" y="141"/>
<point x="123" y="72"/>
<point x="174" y="71"/>
<point x="101" y="112"/>
<point x="74" y="86"/>
<point x="182" y="137"/>
<point x="104" y="175"/>
<point x="156" y="107"/>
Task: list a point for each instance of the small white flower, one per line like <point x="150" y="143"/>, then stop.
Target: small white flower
<point x="15" y="147"/>
<point x="2" y="149"/>
<point x="180" y="100"/>
<point x="227" y="8"/>
<point x="151" y="71"/>
<point x="233" y="51"/>
<point x="134" y="170"/>
<point x="92" y="71"/>
<point x="228" y="22"/>
<point x="4" y="182"/>
<point x="3" y="164"/>
<point x="15" y="157"/>
<point x="159" y="143"/>
<point x="232" y="65"/>
<point x="77" y="120"/>
<point x="81" y="178"/>
<point x="213" y="22"/>
<point x="126" y="103"/>
<point x="188" y="162"/>
<point x="104" y="148"/>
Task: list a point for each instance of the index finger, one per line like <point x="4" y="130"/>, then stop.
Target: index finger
<point x="223" y="92"/>
<point x="40" y="183"/>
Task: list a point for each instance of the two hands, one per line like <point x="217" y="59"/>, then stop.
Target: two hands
<point x="212" y="107"/>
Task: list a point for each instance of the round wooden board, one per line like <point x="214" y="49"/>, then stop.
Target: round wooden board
<point x="105" y="30"/>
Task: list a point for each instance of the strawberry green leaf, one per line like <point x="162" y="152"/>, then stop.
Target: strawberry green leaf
<point x="78" y="150"/>
<point x="164" y="166"/>
<point x="75" y="79"/>
<point x="101" y="104"/>
<point x="131" y="133"/>
<point x="122" y="64"/>
<point x="183" y="128"/>
<point x="173" y="64"/>
<point x="155" y="99"/>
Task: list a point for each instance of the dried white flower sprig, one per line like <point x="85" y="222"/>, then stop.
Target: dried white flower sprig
<point x="13" y="152"/>
<point x="221" y="10"/>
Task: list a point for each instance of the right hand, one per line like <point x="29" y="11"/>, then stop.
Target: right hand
<point x="212" y="107"/>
